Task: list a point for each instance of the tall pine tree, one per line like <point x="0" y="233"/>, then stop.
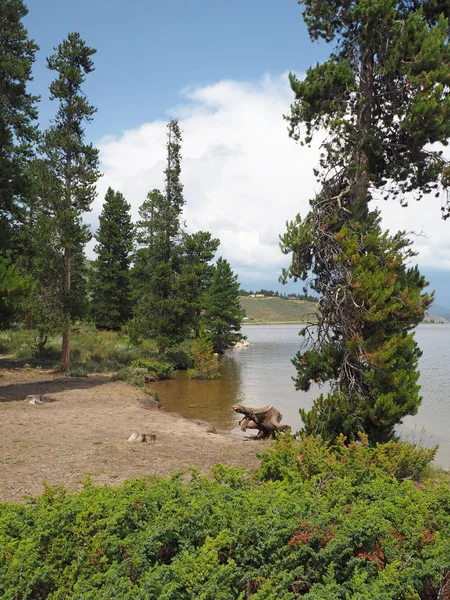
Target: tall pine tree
<point x="18" y="111"/>
<point x="111" y="284"/>
<point x="18" y="135"/>
<point x="72" y="165"/>
<point x="162" y="307"/>
<point x="383" y="97"/>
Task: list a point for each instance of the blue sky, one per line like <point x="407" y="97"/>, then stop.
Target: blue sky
<point x="221" y="69"/>
<point x="147" y="51"/>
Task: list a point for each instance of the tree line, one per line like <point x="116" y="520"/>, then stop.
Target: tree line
<point x="152" y="276"/>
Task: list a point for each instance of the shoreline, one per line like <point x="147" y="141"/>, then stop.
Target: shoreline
<point x="83" y="429"/>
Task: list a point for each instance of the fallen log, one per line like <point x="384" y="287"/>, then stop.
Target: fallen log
<point x="266" y="420"/>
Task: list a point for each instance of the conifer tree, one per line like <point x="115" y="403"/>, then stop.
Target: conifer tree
<point x="72" y="167"/>
<point x="18" y="134"/>
<point x="197" y="272"/>
<point x="111" y="285"/>
<point x="18" y="111"/>
<point x="383" y="98"/>
<point x="162" y="307"/>
<point x="223" y="313"/>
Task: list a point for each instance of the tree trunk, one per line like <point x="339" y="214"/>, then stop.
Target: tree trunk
<point x="266" y="420"/>
<point x="65" y="350"/>
<point x="27" y="321"/>
<point x="162" y="350"/>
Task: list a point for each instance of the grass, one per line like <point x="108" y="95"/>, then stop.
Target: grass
<point x="91" y="350"/>
<point x="278" y="310"/>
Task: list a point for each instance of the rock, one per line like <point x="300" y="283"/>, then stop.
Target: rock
<point x="138" y="437"/>
<point x="150" y="378"/>
<point x="241" y="344"/>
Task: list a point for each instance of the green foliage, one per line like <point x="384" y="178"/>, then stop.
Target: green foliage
<point x="383" y="95"/>
<point x="110" y="278"/>
<point x="179" y="359"/>
<point x="223" y="313"/>
<point x="383" y="99"/>
<point x="98" y="351"/>
<point x="17" y="115"/>
<point x="157" y="368"/>
<point x="14" y="290"/>
<point x="364" y="348"/>
<point x="69" y="171"/>
<point x="163" y="311"/>
<point x="334" y="524"/>
<point x="206" y="362"/>
<point x="78" y="370"/>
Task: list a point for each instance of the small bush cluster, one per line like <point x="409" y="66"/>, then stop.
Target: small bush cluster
<point x="206" y="362"/>
<point x="313" y="523"/>
<point x="159" y="369"/>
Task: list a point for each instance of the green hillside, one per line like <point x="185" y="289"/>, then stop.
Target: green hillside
<point x="277" y="310"/>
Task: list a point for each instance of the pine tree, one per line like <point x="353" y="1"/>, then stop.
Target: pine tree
<point x="111" y="286"/>
<point x="383" y="97"/>
<point x="197" y="272"/>
<point x="72" y="165"/>
<point x="18" y="133"/>
<point x="223" y="313"/>
<point x="162" y="309"/>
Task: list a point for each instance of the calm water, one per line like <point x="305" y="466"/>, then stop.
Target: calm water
<point x="261" y="374"/>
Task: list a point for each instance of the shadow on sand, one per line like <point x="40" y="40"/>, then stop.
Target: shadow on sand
<point x="19" y="391"/>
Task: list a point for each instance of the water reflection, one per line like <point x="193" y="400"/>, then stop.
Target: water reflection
<point x="262" y="374"/>
<point x="206" y="400"/>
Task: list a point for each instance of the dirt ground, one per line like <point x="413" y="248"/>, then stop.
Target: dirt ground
<point x="83" y="430"/>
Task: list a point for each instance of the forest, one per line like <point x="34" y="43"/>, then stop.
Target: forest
<point x="342" y="509"/>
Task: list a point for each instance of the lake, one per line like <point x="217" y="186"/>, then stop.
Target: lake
<point x="261" y="374"/>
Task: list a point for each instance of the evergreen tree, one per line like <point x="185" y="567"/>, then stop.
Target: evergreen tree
<point x="17" y="113"/>
<point x="197" y="272"/>
<point x="383" y="96"/>
<point x="111" y="289"/>
<point x="162" y="305"/>
<point x="72" y="165"/>
<point x="17" y="137"/>
<point x="223" y="313"/>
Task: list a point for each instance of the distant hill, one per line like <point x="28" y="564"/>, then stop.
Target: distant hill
<point x="277" y="310"/>
<point x="440" y="311"/>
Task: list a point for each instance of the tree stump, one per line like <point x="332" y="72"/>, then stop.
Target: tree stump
<point x="266" y="420"/>
<point x="137" y="437"/>
<point x="35" y="399"/>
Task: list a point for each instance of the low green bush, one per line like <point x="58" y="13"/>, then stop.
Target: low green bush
<point x="159" y="369"/>
<point x="179" y="359"/>
<point x="307" y="525"/>
<point x="78" y="370"/>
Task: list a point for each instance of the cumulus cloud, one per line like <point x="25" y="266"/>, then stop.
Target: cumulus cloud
<point x="243" y="176"/>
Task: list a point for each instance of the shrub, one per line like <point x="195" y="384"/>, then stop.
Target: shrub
<point x="78" y="370"/>
<point x="159" y="369"/>
<point x="179" y="359"/>
<point x="206" y="362"/>
<point x="234" y="537"/>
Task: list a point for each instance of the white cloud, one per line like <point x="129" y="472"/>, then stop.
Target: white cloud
<point x="243" y="176"/>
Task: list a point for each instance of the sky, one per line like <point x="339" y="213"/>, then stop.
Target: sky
<point x="221" y="69"/>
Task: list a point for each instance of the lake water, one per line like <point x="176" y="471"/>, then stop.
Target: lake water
<point x="261" y="374"/>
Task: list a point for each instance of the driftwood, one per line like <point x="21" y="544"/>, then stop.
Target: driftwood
<point x="266" y="420"/>
<point x="142" y="437"/>
<point x="37" y="399"/>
